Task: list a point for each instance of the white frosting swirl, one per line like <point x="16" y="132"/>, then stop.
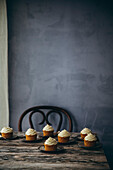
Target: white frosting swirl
<point x="31" y="132"/>
<point x="90" y="137"/>
<point x="64" y="133"/>
<point x="48" y="128"/>
<point x="6" y="130"/>
<point x="85" y="131"/>
<point x="50" y="141"/>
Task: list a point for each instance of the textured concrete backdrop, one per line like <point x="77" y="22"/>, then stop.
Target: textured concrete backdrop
<point x="61" y="53"/>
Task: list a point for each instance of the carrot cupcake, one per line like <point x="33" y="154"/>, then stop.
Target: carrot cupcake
<point x="7" y="132"/>
<point x="85" y="132"/>
<point x="31" y="134"/>
<point x="48" y="130"/>
<point x="63" y="136"/>
<point x="50" y="144"/>
<point x="90" y="140"/>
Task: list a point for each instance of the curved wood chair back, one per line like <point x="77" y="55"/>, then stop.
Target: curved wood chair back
<point x="39" y="109"/>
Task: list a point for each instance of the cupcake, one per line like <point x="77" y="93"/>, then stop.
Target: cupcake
<point x="50" y="144"/>
<point x="31" y="134"/>
<point x="7" y="132"/>
<point x="90" y="140"/>
<point x="85" y="132"/>
<point x="63" y="136"/>
<point x="48" y="130"/>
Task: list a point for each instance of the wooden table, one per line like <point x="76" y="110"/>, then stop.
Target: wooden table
<point x="16" y="154"/>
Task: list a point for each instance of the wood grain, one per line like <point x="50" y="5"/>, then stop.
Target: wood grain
<point x="16" y="154"/>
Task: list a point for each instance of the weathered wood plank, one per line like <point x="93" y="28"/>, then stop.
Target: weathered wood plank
<point x="36" y="165"/>
<point x="16" y="154"/>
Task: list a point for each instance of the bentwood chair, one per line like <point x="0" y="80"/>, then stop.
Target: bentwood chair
<point x="50" y="109"/>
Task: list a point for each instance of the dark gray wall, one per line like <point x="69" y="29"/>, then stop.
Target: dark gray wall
<point x="61" y="53"/>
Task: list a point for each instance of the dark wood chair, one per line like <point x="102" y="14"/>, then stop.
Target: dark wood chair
<point x="40" y="109"/>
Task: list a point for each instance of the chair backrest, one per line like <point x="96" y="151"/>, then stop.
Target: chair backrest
<point x="39" y="109"/>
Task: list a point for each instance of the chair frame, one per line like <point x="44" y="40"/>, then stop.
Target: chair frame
<point x="38" y="109"/>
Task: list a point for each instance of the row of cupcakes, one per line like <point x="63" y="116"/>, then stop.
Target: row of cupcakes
<point x="89" y="138"/>
<point x="31" y="134"/>
<point x="63" y="136"/>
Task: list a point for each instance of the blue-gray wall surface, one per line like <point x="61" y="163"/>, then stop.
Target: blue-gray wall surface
<point x="61" y="53"/>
